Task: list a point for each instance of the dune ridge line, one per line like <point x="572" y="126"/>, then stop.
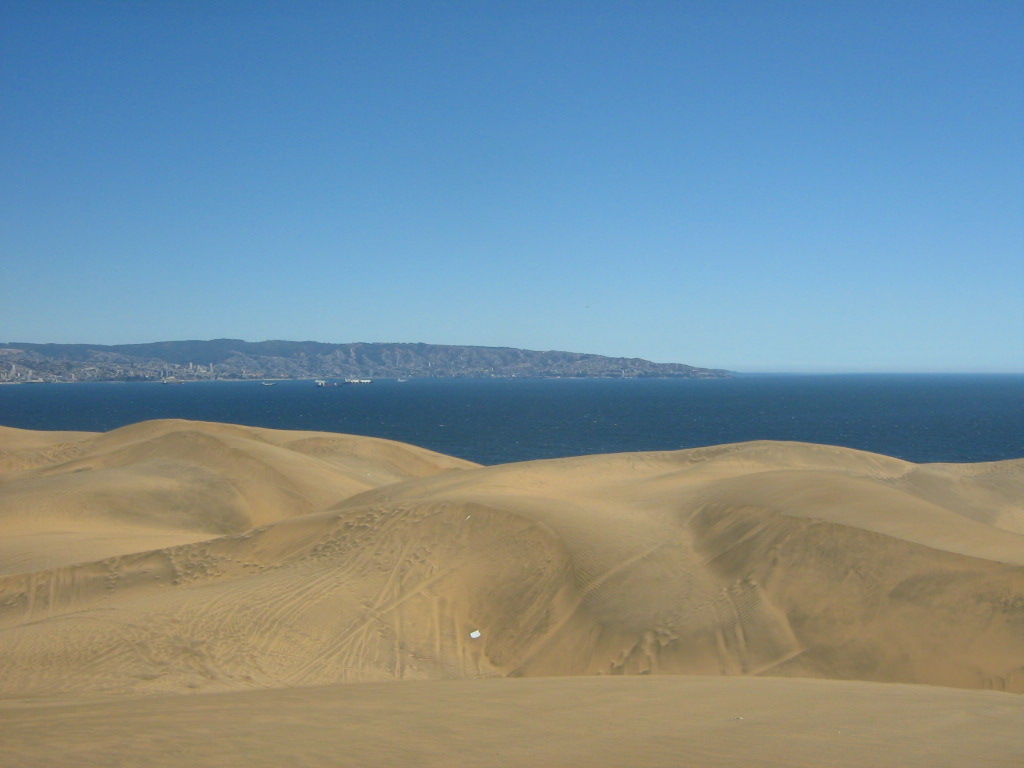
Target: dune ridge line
<point x="173" y="557"/>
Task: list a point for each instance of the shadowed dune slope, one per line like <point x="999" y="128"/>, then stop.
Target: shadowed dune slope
<point x="777" y="559"/>
<point x="73" y="497"/>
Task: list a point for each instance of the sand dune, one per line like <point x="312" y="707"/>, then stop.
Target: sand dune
<point x="171" y="557"/>
<point x="73" y="497"/>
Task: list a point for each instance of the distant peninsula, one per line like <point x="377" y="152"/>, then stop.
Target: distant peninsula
<point x="233" y="359"/>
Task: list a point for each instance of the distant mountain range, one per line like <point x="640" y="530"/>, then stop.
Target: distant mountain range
<point x="236" y="359"/>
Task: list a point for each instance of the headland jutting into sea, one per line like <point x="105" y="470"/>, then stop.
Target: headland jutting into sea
<point x="233" y="359"/>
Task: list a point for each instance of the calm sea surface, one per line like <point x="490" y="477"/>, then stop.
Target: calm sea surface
<point x="921" y="418"/>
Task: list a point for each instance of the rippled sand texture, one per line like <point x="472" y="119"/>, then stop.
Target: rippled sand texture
<point x="266" y="569"/>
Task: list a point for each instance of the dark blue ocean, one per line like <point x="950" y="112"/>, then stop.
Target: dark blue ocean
<point x="922" y="418"/>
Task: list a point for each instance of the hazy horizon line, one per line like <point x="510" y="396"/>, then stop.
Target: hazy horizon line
<point x="737" y="370"/>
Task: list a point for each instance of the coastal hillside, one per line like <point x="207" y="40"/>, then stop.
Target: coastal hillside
<point x="236" y="359"/>
<point x="716" y="600"/>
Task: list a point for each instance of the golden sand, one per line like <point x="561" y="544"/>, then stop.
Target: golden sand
<point x="186" y="593"/>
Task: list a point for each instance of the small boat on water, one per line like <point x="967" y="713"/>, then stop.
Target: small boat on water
<point x="269" y="383"/>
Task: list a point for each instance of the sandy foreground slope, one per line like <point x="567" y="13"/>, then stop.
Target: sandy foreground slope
<point x="657" y="721"/>
<point x="651" y="609"/>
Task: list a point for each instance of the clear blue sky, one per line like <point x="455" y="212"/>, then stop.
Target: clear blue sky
<point x="754" y="185"/>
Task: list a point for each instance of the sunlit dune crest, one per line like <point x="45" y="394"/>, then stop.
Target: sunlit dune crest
<point x="267" y="568"/>
<point x="70" y="497"/>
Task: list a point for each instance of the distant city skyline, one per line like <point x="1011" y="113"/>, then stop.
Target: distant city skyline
<point x="784" y="187"/>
